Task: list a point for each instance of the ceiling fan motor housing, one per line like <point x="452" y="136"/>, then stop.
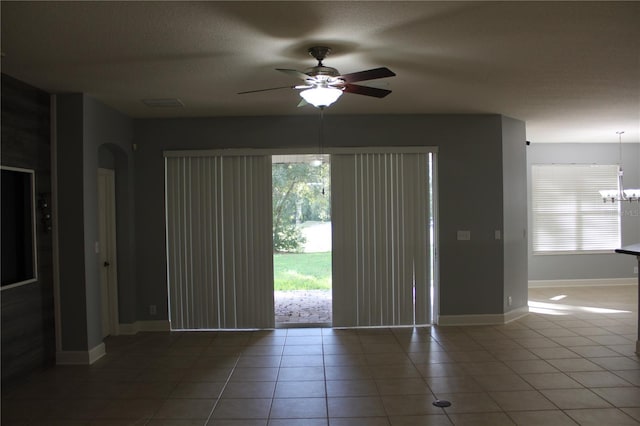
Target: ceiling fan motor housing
<point x="322" y="71"/>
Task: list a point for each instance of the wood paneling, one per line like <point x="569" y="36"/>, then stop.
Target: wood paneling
<point x="28" y="330"/>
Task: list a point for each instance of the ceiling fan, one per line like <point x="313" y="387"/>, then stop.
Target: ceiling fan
<point x="324" y="85"/>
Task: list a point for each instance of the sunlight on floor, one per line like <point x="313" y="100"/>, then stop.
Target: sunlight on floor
<point x="558" y="309"/>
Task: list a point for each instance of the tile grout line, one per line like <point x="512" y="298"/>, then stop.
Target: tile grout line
<point x="528" y="327"/>
<point x="433" y="394"/>
<point x="275" y="387"/>
<point x="324" y="373"/>
<point x="565" y="373"/>
<point x="224" y="387"/>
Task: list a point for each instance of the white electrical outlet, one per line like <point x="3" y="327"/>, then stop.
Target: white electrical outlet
<point x="635" y="269"/>
<point x="509" y="300"/>
<point x="152" y="310"/>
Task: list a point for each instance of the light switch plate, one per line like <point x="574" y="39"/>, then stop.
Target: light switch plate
<point x="464" y="235"/>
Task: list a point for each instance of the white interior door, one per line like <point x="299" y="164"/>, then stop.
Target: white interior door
<point x="107" y="256"/>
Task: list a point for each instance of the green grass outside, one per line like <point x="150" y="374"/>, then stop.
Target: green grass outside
<point x="302" y="271"/>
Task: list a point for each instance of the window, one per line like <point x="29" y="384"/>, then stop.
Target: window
<point x="569" y="215"/>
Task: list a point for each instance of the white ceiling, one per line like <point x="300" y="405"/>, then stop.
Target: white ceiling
<point x="571" y="70"/>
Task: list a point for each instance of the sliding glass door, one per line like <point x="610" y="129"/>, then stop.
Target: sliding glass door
<point x="220" y="242"/>
<point x="380" y="212"/>
<point x="220" y="270"/>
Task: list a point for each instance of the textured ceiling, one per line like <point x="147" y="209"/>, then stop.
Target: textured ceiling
<point x="570" y="70"/>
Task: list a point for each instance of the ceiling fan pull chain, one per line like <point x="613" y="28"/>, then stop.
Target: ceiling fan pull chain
<point x="320" y="146"/>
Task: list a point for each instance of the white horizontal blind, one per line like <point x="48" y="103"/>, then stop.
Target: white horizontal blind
<point x="568" y="212"/>
<point x="380" y="238"/>
<point x="219" y="249"/>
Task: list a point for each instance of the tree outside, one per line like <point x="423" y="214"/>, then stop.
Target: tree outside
<point x="301" y="193"/>
<point x="302" y="266"/>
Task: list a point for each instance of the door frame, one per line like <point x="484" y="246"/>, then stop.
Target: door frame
<point x="434" y="260"/>
<point x="108" y="251"/>
<point x="297" y="156"/>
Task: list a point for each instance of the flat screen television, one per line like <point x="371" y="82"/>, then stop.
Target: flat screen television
<point x="17" y="227"/>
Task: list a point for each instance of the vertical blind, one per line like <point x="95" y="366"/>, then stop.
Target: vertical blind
<point x="219" y="248"/>
<point x="380" y="234"/>
<point x="567" y="209"/>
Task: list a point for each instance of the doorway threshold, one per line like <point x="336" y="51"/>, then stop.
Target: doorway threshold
<point x="303" y="307"/>
<point x="304" y="325"/>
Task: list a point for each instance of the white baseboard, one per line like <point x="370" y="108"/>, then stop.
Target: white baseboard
<point x="516" y="314"/>
<point x="81" y="357"/>
<point x="597" y="282"/>
<point x="138" y="326"/>
<point x="483" y="319"/>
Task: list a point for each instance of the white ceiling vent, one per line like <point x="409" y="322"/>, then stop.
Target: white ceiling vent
<point x="163" y="103"/>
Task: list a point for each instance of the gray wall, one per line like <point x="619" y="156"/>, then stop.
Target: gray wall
<point x="469" y="199"/>
<point x="27" y="326"/>
<point x="470" y="189"/>
<point x="589" y="266"/>
<point x="106" y="158"/>
<point x="70" y="222"/>
<point x="84" y="125"/>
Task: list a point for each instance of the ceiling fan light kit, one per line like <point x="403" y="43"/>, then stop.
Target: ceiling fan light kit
<point x="321" y="97"/>
<point x="324" y="85"/>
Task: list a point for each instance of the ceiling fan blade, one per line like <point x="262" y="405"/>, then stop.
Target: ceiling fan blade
<point x="265" y="90"/>
<point x="368" y="75"/>
<point x="294" y="73"/>
<point x="302" y="103"/>
<point x="366" y="90"/>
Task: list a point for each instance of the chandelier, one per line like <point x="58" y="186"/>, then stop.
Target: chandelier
<point x="620" y="194"/>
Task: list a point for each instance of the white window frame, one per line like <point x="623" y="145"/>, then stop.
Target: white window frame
<point x="568" y="214"/>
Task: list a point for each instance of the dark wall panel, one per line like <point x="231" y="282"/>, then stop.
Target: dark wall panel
<point x="28" y="330"/>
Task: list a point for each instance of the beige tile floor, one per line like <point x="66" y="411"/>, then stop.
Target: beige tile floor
<point x="571" y="361"/>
